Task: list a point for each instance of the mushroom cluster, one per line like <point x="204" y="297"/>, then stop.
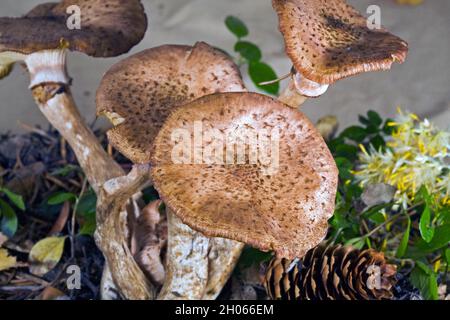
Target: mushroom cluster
<point x="233" y="168"/>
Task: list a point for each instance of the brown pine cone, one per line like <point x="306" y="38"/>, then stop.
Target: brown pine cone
<point x="331" y="273"/>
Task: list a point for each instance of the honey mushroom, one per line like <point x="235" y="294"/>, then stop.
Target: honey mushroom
<point x="328" y="40"/>
<point x="282" y="207"/>
<point x="137" y="95"/>
<point x="41" y="40"/>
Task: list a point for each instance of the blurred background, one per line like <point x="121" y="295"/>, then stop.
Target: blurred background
<point x="421" y="85"/>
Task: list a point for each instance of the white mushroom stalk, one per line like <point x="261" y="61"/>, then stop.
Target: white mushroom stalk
<point x="111" y="235"/>
<point x="187" y="262"/>
<point x="50" y="87"/>
<point x="300" y="89"/>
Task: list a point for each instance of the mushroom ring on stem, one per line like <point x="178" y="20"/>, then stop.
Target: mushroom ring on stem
<point x="41" y="39"/>
<point x="246" y="167"/>
<point x="328" y="40"/>
<point x="137" y="95"/>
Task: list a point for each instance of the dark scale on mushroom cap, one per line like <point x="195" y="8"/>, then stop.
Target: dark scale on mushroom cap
<point x="286" y="211"/>
<point x="108" y="28"/>
<point x="146" y="87"/>
<point x="328" y="40"/>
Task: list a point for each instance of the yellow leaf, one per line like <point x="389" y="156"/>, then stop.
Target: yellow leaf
<point x="45" y="255"/>
<point x="410" y="2"/>
<point x="6" y="261"/>
<point x="5" y="70"/>
<point x="3" y="239"/>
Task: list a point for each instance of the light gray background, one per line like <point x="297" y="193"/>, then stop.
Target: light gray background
<point x="421" y="85"/>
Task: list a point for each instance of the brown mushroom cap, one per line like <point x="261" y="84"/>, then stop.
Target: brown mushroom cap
<point x="139" y="92"/>
<point x="328" y="40"/>
<point x="285" y="211"/>
<point x="108" y="28"/>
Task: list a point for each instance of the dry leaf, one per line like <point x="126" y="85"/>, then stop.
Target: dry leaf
<point x="327" y="126"/>
<point x="59" y="224"/>
<point x="6" y="261"/>
<point x="410" y="2"/>
<point x="149" y="238"/>
<point x="45" y="255"/>
<point x="3" y="239"/>
<point x="5" y="70"/>
<point x="51" y="293"/>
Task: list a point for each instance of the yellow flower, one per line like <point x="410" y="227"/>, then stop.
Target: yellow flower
<point x="417" y="155"/>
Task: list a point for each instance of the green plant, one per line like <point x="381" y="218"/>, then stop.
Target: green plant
<point x="8" y="216"/>
<point x="414" y="227"/>
<point x="249" y="54"/>
<point x="84" y="205"/>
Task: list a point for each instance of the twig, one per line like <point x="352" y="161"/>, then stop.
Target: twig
<point x="74" y="215"/>
<point x="37" y="131"/>
<point x="266" y="83"/>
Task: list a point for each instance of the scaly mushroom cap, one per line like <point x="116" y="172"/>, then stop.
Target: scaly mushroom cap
<point x="328" y="40"/>
<point x="138" y="93"/>
<point x="280" y="204"/>
<point x="108" y="28"/>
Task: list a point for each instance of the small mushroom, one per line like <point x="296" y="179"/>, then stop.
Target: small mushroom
<point x="281" y="205"/>
<point x="137" y="95"/>
<point x="328" y="40"/>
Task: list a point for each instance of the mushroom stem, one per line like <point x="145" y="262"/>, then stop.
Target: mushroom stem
<point x="111" y="234"/>
<point x="291" y="97"/>
<point x="187" y="262"/>
<point x="56" y="103"/>
<point x="50" y="88"/>
<point x="223" y="257"/>
<point x="300" y="89"/>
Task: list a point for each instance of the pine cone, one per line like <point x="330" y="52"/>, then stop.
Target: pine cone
<point x="331" y="273"/>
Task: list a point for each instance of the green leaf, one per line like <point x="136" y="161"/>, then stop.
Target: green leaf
<point x="8" y="223"/>
<point x="347" y="151"/>
<point x="61" y="197"/>
<point x="357" y="243"/>
<point x="424" y="279"/>
<point x="262" y="72"/>
<point x="447" y="255"/>
<point x="236" y="26"/>
<point x="363" y="120"/>
<point x="344" y="166"/>
<point x="88" y="226"/>
<point x="355" y="133"/>
<point x="401" y="250"/>
<point x="248" y="50"/>
<point x="65" y="171"/>
<point x="87" y="204"/>
<point x="377" y="217"/>
<point x="377" y="142"/>
<point x="388" y="129"/>
<point x="374" y="118"/>
<point x="16" y="199"/>
<point x="440" y="239"/>
<point x="426" y="230"/>
<point x="251" y="256"/>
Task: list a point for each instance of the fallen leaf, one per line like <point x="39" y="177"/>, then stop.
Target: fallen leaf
<point x="327" y="126"/>
<point x="378" y="193"/>
<point x="3" y="239"/>
<point x="6" y="261"/>
<point x="59" y="224"/>
<point x="45" y="255"/>
<point x="410" y="2"/>
<point x="51" y="293"/>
